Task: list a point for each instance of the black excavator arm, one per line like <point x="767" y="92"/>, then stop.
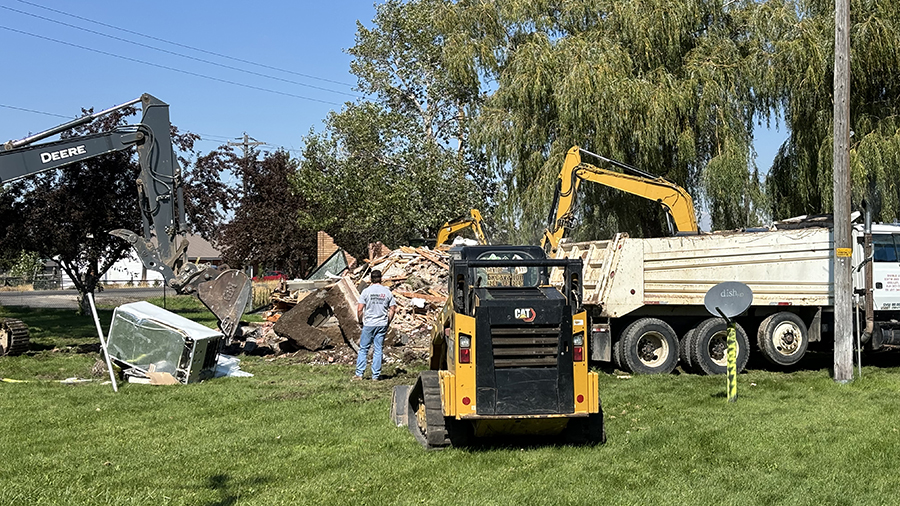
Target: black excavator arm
<point x="162" y="246"/>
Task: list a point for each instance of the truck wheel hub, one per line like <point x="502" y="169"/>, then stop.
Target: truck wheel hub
<point x="785" y="339"/>
<point x="652" y="349"/>
<point x="718" y="348"/>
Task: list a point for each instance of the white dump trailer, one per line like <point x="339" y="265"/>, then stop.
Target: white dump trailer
<point x="646" y="296"/>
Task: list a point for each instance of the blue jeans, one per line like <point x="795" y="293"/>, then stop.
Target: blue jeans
<point x="370" y="336"/>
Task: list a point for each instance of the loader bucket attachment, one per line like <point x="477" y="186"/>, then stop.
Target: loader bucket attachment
<point x="227" y="297"/>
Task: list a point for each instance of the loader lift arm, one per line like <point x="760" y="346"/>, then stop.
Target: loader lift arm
<point x="674" y="199"/>
<point x="473" y="220"/>
<point x="162" y="247"/>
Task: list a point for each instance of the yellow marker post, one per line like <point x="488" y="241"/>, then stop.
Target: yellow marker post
<point x="729" y="299"/>
<point x="732" y="362"/>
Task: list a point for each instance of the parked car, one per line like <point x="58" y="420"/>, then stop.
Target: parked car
<point x="270" y="276"/>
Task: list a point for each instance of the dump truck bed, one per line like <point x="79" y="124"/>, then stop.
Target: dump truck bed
<point x="782" y="267"/>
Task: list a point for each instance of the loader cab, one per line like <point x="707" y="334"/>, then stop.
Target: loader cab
<point x="510" y="276"/>
<point x="523" y="328"/>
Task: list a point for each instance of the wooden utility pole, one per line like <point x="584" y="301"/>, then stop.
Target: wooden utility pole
<point x="843" y="310"/>
<point x="247" y="143"/>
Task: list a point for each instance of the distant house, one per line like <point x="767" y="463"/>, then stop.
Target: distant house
<point x="131" y="270"/>
<point x="201" y="251"/>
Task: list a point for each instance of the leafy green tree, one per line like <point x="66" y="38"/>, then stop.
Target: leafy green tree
<point x="801" y="33"/>
<point x="399" y="165"/>
<point x="26" y="266"/>
<point x="664" y="85"/>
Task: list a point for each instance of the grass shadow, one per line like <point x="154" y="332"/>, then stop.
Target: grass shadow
<point x="524" y="443"/>
<point x="231" y="492"/>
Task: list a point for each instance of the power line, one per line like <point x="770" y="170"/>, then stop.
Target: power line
<point x="173" y="69"/>
<point x="222" y="139"/>
<point x="220" y="55"/>
<point x="35" y="111"/>
<point x="209" y="62"/>
<point x="209" y="137"/>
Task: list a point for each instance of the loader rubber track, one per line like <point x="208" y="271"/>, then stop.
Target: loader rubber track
<point x="426" y="415"/>
<point x="13" y="337"/>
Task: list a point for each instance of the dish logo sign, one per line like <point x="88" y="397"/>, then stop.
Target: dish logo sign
<point x="526" y="314"/>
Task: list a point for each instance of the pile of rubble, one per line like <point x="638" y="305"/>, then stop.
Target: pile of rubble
<point x="317" y="320"/>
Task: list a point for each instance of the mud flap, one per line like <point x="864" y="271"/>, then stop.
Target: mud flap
<point x="400" y="405"/>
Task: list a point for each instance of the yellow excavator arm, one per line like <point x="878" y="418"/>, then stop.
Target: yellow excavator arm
<point x="674" y="199"/>
<point x="472" y="221"/>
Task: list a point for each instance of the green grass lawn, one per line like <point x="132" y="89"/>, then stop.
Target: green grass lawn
<point x="302" y="434"/>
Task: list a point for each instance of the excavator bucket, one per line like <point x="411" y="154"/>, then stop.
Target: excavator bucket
<point x="226" y="296"/>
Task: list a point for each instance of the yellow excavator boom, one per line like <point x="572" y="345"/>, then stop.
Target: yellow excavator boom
<point x="473" y="221"/>
<point x="674" y="199"/>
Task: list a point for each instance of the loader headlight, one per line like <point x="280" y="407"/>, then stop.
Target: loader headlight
<point x="578" y="339"/>
<point x="465" y="353"/>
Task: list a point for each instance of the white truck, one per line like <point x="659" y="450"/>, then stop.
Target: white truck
<point x="646" y="296"/>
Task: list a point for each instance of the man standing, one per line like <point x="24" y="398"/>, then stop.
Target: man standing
<point x="375" y="311"/>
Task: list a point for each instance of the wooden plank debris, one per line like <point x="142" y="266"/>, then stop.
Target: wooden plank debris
<point x="411" y="273"/>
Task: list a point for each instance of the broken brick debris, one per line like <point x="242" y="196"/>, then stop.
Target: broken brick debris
<point x="322" y="321"/>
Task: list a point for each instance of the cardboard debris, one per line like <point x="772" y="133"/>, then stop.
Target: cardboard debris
<point x="162" y="378"/>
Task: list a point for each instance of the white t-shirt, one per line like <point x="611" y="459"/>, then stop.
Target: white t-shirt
<point x="377" y="299"/>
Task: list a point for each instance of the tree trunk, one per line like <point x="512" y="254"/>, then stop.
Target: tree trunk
<point x="84" y="305"/>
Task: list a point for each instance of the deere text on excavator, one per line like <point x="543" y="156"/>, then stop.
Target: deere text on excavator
<point x="163" y="246"/>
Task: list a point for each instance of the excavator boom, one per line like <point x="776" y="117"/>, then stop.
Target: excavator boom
<point x="473" y="221"/>
<point x="162" y="246"/>
<point x="674" y="199"/>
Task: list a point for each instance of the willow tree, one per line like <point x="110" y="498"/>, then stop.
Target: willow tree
<point x="664" y="85"/>
<point x="802" y="35"/>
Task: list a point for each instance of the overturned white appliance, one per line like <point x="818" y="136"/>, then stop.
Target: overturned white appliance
<point x="150" y="339"/>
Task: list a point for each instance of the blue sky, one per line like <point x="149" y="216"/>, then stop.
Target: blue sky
<point x="271" y="105"/>
<point x="56" y="61"/>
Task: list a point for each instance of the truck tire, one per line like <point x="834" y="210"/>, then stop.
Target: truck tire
<point x="709" y="353"/>
<point x="650" y="346"/>
<point x="617" y="359"/>
<point x="783" y="338"/>
<point x="684" y="350"/>
<point x="13" y="337"/>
